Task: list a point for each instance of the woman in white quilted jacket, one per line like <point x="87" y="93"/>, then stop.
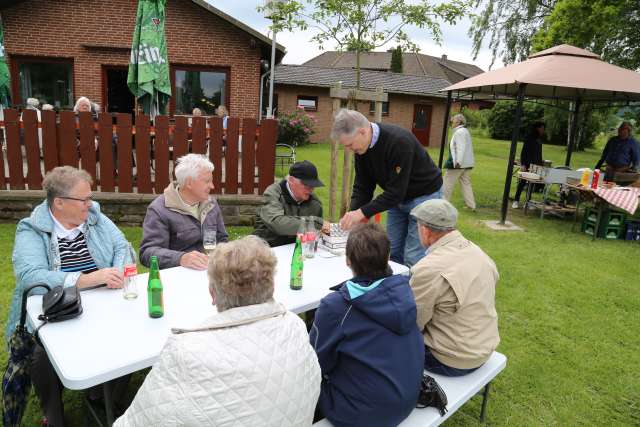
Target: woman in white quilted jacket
<point x="249" y="364"/>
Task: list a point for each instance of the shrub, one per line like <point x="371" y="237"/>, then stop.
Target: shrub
<point x="295" y="128"/>
<point x="590" y="123"/>
<point x="476" y="119"/>
<point x="501" y="117"/>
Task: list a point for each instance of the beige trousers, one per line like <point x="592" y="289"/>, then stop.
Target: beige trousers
<point x="464" y="176"/>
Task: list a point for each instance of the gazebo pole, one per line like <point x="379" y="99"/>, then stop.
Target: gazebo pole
<point x="574" y="130"/>
<point x="512" y="153"/>
<point x="445" y="129"/>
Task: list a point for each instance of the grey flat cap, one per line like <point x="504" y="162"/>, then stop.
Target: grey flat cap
<point x="436" y="212"/>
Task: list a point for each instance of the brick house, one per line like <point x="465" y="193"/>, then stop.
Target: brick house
<point x="415" y="101"/>
<point x="61" y="50"/>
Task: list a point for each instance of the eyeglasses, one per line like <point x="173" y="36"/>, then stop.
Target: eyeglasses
<point x="85" y="200"/>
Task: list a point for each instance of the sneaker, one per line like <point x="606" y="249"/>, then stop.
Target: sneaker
<point x="515" y="205"/>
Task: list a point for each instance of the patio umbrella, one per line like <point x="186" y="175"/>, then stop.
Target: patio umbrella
<point x="5" y="81"/>
<point x="16" y="382"/>
<point x="148" y="77"/>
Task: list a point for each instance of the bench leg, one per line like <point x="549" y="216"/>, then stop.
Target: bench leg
<point x="485" y="397"/>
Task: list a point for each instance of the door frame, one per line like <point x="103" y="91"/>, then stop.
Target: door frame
<point x="105" y="81"/>
<point x="428" y="124"/>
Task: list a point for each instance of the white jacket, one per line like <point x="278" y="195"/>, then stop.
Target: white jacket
<point x="251" y="366"/>
<point x="461" y="148"/>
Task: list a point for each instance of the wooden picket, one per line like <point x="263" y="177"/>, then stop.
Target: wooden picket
<point x="14" y="151"/>
<point x="143" y="154"/>
<point x="32" y="149"/>
<point x="215" y="151"/>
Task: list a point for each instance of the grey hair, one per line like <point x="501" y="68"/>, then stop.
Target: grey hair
<point x="47" y="107"/>
<point x="347" y="122"/>
<point x="242" y="273"/>
<point x="81" y="100"/>
<point x="32" y="103"/>
<point x="189" y="166"/>
<point x="435" y="227"/>
<point x="222" y="111"/>
<point x="59" y="181"/>
<point x="460" y="119"/>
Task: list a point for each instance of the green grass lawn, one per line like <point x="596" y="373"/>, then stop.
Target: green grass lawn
<point x="569" y="308"/>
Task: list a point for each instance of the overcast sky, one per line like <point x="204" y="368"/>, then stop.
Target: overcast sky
<point x="455" y="44"/>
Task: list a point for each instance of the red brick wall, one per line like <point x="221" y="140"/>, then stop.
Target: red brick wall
<point x="400" y="110"/>
<point x="194" y="37"/>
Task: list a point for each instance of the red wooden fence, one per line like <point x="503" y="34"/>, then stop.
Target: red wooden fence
<point x="126" y="157"/>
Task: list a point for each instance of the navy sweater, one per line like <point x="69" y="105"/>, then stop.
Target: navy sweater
<point x="399" y="165"/>
<point x="371" y="354"/>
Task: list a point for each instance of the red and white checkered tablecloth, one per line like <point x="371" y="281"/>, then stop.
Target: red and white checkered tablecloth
<point x="625" y="198"/>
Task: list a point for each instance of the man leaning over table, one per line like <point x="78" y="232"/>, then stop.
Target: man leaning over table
<point x="390" y="157"/>
<point x="455" y="291"/>
<point x="65" y="241"/>
<point x="174" y="223"/>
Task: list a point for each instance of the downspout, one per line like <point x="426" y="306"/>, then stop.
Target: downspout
<point x="261" y="94"/>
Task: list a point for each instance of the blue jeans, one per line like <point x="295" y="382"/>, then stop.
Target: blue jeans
<point x="435" y="366"/>
<point x="403" y="231"/>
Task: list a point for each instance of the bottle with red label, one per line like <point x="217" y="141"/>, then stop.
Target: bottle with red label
<point x="311" y="238"/>
<point x="130" y="286"/>
<point x="596" y="179"/>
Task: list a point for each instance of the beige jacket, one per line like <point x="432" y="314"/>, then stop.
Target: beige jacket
<point x="455" y="291"/>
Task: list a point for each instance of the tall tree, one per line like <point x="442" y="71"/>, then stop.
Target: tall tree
<point x="364" y="25"/>
<point x="509" y="26"/>
<point x="396" y="60"/>
<point x="606" y="27"/>
<point x="515" y="28"/>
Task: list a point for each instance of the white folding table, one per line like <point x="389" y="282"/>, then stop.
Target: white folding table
<point x="115" y="337"/>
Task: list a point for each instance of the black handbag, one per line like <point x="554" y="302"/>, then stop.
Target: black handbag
<point x="431" y="394"/>
<point x="60" y="304"/>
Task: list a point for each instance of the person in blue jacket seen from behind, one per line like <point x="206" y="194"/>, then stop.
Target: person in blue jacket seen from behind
<point x="368" y="344"/>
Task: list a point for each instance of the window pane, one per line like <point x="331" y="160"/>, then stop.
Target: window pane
<point x="307" y="102"/>
<point x="202" y="89"/>
<point x="50" y="83"/>
<point x="385" y="107"/>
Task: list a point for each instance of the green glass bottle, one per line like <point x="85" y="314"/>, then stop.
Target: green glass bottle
<point x="154" y="290"/>
<point x="297" y="265"/>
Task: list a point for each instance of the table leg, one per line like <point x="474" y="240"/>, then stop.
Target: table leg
<point x="575" y="216"/>
<point x="545" y="197"/>
<point x="528" y="197"/>
<point x="108" y="401"/>
<point x="485" y="398"/>
<point x="598" y="218"/>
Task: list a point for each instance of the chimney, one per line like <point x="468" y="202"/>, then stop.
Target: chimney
<point x="444" y="58"/>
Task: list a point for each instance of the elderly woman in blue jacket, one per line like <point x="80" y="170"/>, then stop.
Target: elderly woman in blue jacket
<point x="370" y="350"/>
<point x="65" y="241"/>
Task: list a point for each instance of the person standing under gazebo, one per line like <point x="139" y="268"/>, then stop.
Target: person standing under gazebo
<point x="531" y="154"/>
<point x="620" y="154"/>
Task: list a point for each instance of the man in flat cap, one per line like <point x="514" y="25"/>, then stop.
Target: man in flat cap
<point x="454" y="286"/>
<point x="287" y="202"/>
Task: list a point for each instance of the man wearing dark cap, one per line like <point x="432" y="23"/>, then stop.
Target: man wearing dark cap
<point x="287" y="202"/>
<point x="454" y="286"/>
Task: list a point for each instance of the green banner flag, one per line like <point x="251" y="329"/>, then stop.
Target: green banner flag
<point x="5" y="78"/>
<point x="148" y="77"/>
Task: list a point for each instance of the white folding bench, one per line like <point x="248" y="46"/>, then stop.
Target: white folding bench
<point x="458" y="391"/>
